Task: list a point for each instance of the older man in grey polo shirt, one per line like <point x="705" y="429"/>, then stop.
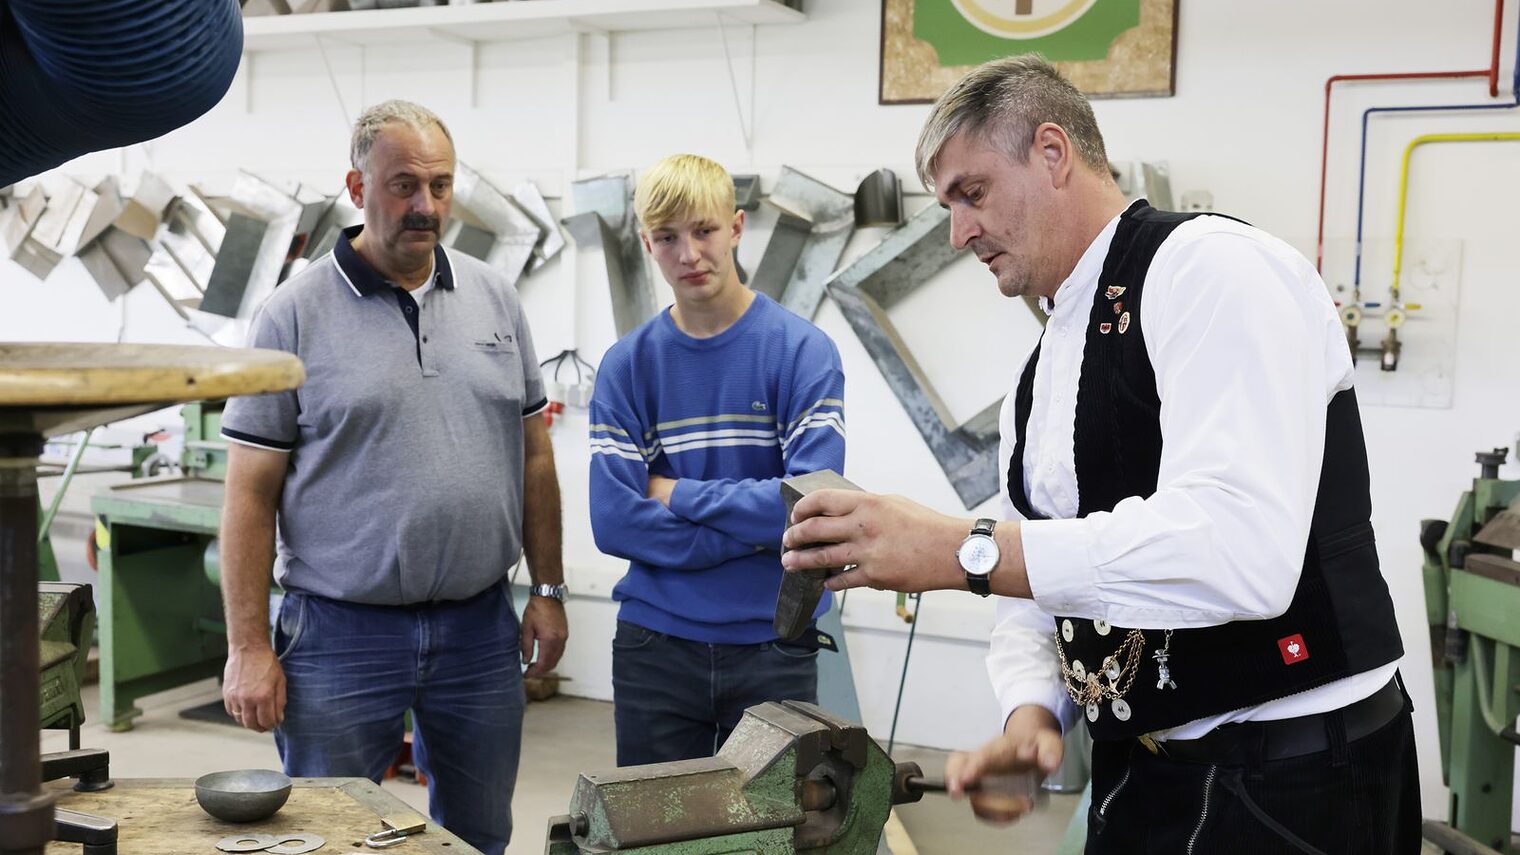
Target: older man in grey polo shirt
<point x="403" y="481"/>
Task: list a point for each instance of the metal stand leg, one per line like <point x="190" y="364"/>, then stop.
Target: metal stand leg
<point x="26" y="813"/>
<point x="1482" y="765"/>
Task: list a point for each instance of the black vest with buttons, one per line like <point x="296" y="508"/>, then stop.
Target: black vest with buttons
<point x="1340" y="621"/>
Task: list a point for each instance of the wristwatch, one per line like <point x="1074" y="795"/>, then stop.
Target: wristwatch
<point x="553" y="592"/>
<point x="978" y="555"/>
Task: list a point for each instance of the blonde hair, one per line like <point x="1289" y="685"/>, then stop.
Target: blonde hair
<point x="1003" y="101"/>
<point x="683" y="185"/>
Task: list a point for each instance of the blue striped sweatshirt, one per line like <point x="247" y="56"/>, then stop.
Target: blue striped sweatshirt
<point x="729" y="417"/>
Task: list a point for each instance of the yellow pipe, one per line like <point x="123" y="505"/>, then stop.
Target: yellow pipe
<point x="1398" y="241"/>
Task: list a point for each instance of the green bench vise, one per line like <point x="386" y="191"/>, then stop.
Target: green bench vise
<point x="791" y="778"/>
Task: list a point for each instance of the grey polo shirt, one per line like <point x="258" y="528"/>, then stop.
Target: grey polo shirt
<point x="405" y="478"/>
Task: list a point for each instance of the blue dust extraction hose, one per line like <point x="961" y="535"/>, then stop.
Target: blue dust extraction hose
<point x="86" y="75"/>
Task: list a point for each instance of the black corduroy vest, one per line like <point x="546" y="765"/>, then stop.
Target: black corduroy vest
<point x="1340" y="621"/>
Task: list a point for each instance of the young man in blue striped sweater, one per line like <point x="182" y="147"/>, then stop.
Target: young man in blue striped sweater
<point x="697" y="416"/>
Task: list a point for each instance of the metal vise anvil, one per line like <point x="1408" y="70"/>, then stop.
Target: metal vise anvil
<point x="791" y="778"/>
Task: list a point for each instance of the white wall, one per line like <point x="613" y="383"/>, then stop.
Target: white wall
<point x="1245" y="124"/>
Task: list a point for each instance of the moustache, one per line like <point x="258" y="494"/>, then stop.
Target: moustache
<point x="420" y="222"/>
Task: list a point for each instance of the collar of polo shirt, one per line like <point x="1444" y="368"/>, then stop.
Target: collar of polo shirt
<point x="365" y="281"/>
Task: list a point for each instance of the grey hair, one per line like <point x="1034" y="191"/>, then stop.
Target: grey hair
<point x="373" y="120"/>
<point x="1003" y="101"/>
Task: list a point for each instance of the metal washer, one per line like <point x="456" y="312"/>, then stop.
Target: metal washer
<point x="308" y="843"/>
<point x="258" y="842"/>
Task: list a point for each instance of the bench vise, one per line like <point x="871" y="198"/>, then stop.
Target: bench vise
<point x="791" y="778"/>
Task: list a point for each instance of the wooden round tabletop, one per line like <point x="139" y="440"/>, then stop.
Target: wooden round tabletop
<point x="41" y="381"/>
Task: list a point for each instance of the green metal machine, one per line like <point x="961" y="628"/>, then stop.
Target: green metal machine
<point x="791" y="778"/>
<point x="161" y="621"/>
<point x="1472" y="599"/>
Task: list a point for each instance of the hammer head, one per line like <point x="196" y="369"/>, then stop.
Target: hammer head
<point x="800" y="591"/>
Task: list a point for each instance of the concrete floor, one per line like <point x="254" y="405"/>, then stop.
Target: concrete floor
<point x="561" y="738"/>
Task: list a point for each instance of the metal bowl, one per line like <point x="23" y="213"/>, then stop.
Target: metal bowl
<point x="246" y="795"/>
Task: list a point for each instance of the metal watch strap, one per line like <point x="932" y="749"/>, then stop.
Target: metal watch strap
<point x="981" y="585"/>
<point x="553" y="592"/>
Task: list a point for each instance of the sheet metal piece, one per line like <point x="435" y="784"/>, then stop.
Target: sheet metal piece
<point x="527" y="197"/>
<point x="19" y="219"/>
<point x="1158" y="186"/>
<point x="904" y="260"/>
<point x="297" y="844"/>
<point x="58" y="229"/>
<point x="832" y="215"/>
<point x="247" y="842"/>
<point x="281" y="212"/>
<point x="335" y="218"/>
<point x="746" y="192"/>
<point x="788" y="239"/>
<point x="878" y="200"/>
<point x="800" y="592"/>
<point x="604" y="219"/>
<point x="143" y="213"/>
<point x="237" y="263"/>
<point x="479" y="205"/>
<point x="117" y="261"/>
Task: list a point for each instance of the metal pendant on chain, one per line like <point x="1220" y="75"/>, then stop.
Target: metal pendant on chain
<point x="1163" y="670"/>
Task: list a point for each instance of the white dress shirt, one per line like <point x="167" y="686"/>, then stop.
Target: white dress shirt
<point x="1247" y="358"/>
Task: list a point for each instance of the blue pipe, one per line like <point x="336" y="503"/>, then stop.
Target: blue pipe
<point x="1361" y="178"/>
<point x="87" y="75"/>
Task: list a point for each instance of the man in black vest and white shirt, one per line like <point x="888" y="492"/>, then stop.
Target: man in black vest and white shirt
<point x="1185" y="561"/>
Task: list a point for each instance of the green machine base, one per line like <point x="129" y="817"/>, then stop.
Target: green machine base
<point x="161" y="622"/>
<point x="1472" y="597"/>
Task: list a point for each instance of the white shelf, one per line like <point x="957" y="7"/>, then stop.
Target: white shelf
<point x="503" y="21"/>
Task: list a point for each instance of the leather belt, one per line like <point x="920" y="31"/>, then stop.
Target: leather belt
<point x="1284" y="738"/>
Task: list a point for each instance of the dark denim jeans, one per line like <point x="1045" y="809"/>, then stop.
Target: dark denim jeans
<point x="674" y="699"/>
<point x="352" y="673"/>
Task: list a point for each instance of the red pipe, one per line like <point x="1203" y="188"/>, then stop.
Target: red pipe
<point x="1492" y="73"/>
<point x="1493" y="65"/>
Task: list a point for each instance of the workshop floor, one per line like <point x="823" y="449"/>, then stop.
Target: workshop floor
<point x="163" y="745"/>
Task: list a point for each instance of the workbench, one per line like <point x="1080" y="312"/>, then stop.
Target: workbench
<point x="160" y="816"/>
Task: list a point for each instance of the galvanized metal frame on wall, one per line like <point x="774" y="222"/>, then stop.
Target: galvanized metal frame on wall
<point x="221" y="255"/>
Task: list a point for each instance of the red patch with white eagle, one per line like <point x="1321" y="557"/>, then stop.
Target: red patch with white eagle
<point x="1293" y="649"/>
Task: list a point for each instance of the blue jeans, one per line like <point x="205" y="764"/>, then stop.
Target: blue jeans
<point x="674" y="699"/>
<point x="353" y="671"/>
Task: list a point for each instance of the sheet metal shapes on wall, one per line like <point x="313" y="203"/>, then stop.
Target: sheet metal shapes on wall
<point x="905" y="259"/>
<point x="604" y="220"/>
<point x="814" y="225"/>
<point x="266" y="228"/>
<point x="114" y="245"/>
<point x="515" y="234"/>
<point x="550" y="241"/>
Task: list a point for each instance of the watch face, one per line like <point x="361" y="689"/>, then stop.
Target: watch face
<point x="978" y="554"/>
